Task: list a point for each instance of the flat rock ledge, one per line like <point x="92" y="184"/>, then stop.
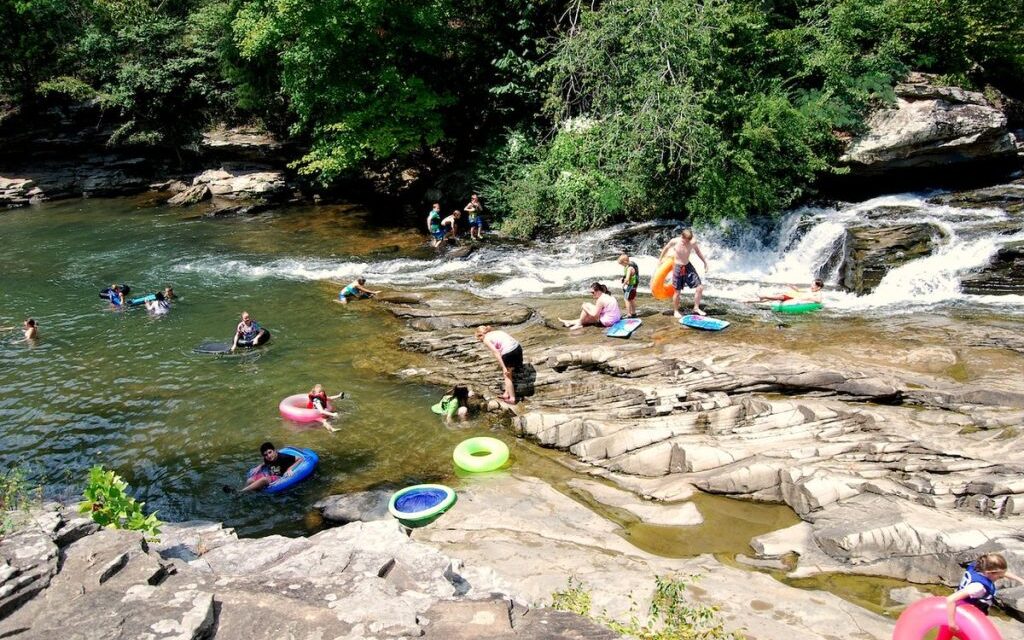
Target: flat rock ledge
<point x="63" y="577"/>
<point x="891" y="478"/>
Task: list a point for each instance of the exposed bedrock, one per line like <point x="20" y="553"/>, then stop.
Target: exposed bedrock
<point x="68" y="579"/>
<point x="891" y="478"/>
<point x="872" y="251"/>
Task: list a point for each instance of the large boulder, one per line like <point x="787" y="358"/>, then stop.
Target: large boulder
<point x="244" y="183"/>
<point x="930" y="126"/>
<point x="872" y="251"/>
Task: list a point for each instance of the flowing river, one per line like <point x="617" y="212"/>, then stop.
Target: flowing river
<point x="125" y="389"/>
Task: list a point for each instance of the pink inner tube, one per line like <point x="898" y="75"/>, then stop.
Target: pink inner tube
<point x="294" y="408"/>
<point x="930" y="613"/>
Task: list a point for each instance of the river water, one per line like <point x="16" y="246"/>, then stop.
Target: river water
<point x="125" y="389"/>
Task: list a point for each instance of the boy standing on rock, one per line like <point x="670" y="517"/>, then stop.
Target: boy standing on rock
<point x="630" y="281"/>
<point x="683" y="273"/>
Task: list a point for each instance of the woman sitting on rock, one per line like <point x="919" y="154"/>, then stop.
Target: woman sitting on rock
<point x="604" y="311"/>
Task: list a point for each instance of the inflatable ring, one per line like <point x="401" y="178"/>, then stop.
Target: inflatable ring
<point x="420" y="504"/>
<point x="478" y="455"/>
<point x="302" y="469"/>
<point x="294" y="408"/>
<point x="659" y="288"/>
<point x="796" y="307"/>
<point x="928" y="614"/>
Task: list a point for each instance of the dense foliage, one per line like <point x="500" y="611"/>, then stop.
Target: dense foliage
<point x="567" y="114"/>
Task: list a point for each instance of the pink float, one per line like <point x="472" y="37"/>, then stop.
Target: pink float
<point x="930" y="613"/>
<point x="294" y="408"/>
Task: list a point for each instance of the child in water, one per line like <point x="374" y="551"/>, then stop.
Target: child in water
<point x="455" y="404"/>
<point x="355" y="289"/>
<point x="319" y="400"/>
<point x="978" y="586"/>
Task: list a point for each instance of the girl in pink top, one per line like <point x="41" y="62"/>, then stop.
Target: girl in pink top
<point x="604" y="311"/>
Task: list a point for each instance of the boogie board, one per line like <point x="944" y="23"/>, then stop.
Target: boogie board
<point x="623" y="328"/>
<point x="134" y="302"/>
<point x="703" y="322"/>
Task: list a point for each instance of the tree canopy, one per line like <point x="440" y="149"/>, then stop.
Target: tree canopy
<point x="567" y="115"/>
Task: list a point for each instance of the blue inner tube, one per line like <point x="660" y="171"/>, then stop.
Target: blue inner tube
<point x="302" y="469"/>
<point x="419" y="500"/>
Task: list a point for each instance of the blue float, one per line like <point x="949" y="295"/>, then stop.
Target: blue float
<point x="302" y="469"/>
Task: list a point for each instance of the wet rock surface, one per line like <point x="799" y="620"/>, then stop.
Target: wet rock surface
<point x="894" y="474"/>
<point x="871" y="252"/>
<point x="201" y="581"/>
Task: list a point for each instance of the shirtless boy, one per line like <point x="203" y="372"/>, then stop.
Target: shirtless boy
<point x="684" y="273"/>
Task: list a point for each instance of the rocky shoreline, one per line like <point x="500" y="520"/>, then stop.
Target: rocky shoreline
<point x="893" y="473"/>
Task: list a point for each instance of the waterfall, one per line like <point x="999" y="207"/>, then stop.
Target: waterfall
<point x="805" y="243"/>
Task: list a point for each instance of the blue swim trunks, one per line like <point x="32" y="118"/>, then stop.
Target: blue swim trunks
<point x="437" y="233"/>
<point x="685" y="277"/>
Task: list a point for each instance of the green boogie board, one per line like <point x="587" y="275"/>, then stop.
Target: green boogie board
<point x="796" y="307"/>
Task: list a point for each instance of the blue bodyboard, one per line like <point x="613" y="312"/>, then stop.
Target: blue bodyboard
<point x="703" y="322"/>
<point x="623" y="328"/>
<point x="134" y="302"/>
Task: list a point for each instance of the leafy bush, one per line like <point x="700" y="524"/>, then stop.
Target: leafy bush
<point x="106" y="499"/>
<point x="670" y="616"/>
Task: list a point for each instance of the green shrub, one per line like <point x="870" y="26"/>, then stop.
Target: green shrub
<point x="670" y="616"/>
<point x="106" y="499"/>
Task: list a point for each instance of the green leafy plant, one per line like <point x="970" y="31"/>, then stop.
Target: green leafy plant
<point x="106" y="499"/>
<point x="669" y="617"/>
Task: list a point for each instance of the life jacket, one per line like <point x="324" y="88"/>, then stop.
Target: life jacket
<point x="633" y="281"/>
<point x="322" y="396"/>
<point x="972" y="575"/>
<point x="449" y="406"/>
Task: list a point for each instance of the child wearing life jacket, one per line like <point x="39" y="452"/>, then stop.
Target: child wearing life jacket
<point x="319" y="400"/>
<point x="455" y="404"/>
<point x="978" y="586"/>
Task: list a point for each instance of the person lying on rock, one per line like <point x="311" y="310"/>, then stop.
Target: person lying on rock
<point x="796" y="294"/>
<point x="509" y="354"/>
<point x="274" y="466"/>
<point x="978" y="586"/>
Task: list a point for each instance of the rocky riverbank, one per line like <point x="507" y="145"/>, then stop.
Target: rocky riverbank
<point x="62" y="575"/>
<point x="895" y="468"/>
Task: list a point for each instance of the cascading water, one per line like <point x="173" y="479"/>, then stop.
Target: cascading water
<point x="805" y="243"/>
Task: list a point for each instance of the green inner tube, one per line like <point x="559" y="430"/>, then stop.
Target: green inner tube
<point x="796" y="307"/>
<point x="478" y="455"/>
<point x="421" y="504"/>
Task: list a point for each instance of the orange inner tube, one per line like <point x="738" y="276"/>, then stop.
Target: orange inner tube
<point x="659" y="288"/>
